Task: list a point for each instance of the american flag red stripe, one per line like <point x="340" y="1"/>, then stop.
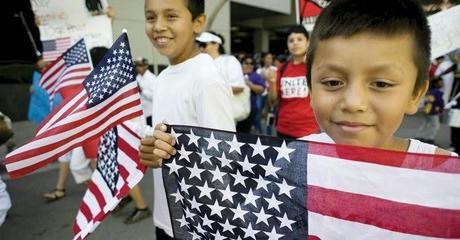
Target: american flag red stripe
<point x="387" y="195"/>
<point x="54" y="48"/>
<point x="399" y="217"/>
<point x="99" y="199"/>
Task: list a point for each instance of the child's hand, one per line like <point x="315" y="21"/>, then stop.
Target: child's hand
<point x="154" y="149"/>
<point x="270" y="76"/>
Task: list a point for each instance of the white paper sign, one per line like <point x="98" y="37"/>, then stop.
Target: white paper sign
<point x="70" y="18"/>
<point x="445" y="31"/>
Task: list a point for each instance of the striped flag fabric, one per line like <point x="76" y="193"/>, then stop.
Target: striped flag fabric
<point x="108" y="97"/>
<point x="54" y="48"/>
<point x="223" y="185"/>
<point x="118" y="170"/>
<point x="68" y="70"/>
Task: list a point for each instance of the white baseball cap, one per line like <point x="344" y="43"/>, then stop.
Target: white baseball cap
<point x="206" y="37"/>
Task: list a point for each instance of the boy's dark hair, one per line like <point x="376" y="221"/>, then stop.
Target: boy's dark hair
<point x="345" y="18"/>
<point x="221" y="46"/>
<point x="196" y="7"/>
<point x="298" y="29"/>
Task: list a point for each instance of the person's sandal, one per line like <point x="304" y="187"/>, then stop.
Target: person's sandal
<point x="55" y="195"/>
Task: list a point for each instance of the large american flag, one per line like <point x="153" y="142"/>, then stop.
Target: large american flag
<point x="222" y="185"/>
<point x="110" y="96"/>
<point x="68" y="70"/>
<point x="54" y="48"/>
<point x="118" y="170"/>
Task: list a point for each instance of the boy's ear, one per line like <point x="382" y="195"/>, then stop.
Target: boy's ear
<point x="417" y="97"/>
<point x="199" y="23"/>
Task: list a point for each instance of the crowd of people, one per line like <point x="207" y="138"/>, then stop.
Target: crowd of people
<point x="322" y="91"/>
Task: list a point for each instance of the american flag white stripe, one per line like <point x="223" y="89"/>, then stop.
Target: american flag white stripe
<point x="92" y="203"/>
<point x="75" y="72"/>
<point x="325" y="227"/>
<point x="71" y="106"/>
<point x="64" y="141"/>
<point x="350" y="176"/>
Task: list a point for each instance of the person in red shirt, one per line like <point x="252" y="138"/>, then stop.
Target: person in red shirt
<point x="288" y="87"/>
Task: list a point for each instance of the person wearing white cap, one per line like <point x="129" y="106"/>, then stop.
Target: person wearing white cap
<point x="212" y="44"/>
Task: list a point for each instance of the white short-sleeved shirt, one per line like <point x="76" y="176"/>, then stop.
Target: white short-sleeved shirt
<point x="231" y="69"/>
<point x="190" y="93"/>
<point x="146" y="85"/>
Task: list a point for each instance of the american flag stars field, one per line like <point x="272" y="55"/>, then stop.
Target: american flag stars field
<point x="221" y="185"/>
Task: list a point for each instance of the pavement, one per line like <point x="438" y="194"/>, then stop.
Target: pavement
<point x="32" y="218"/>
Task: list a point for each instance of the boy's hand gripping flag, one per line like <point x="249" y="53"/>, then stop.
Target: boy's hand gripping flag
<point x="68" y="70"/>
<point x="222" y="185"/>
<point x="118" y="170"/>
<point x="108" y="97"/>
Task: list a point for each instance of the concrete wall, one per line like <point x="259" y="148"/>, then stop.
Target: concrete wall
<point x="221" y="23"/>
<point x="281" y="6"/>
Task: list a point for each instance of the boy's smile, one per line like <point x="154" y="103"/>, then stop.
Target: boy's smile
<point x="362" y="86"/>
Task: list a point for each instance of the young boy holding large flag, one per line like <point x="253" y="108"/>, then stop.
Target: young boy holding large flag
<point x="190" y="91"/>
<point x="367" y="68"/>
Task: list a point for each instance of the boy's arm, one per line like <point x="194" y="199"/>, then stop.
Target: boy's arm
<point x="272" y="88"/>
<point x="235" y="75"/>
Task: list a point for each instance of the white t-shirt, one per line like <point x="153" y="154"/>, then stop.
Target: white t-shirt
<point x="231" y="68"/>
<point x="190" y="93"/>
<point x="146" y="85"/>
<point x="415" y="146"/>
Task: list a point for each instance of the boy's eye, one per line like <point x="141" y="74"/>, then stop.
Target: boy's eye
<point x="150" y="18"/>
<point x="332" y="83"/>
<point x="381" y="84"/>
<point x="172" y="17"/>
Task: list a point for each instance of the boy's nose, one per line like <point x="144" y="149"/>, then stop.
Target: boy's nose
<point x="160" y="25"/>
<point x="354" y="99"/>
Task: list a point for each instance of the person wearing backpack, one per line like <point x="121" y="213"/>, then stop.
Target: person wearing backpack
<point x="288" y="89"/>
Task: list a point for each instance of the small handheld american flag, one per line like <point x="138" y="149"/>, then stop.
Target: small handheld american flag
<point x="108" y="97"/>
<point x="68" y="70"/>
